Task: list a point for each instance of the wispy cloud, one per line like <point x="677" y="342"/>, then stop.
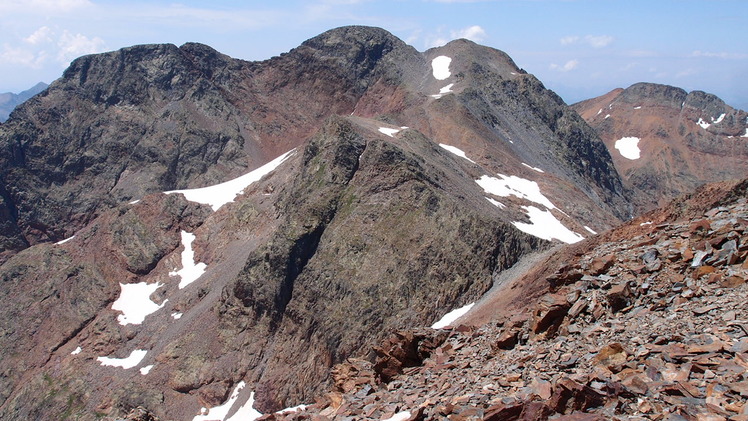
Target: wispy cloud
<point x="594" y="41"/>
<point x="566" y="67"/>
<point x="473" y="33"/>
<point x="41" y="6"/>
<point x="723" y="55"/>
<point x="75" y="45"/>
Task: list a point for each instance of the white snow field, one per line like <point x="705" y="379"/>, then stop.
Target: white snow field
<point x="544" y="225"/>
<point x="450" y="317"/>
<point x="457" y="151"/>
<point x="628" y="147"/>
<point x="440" y="67"/>
<point x="135" y="357"/>
<point x="190" y="270"/>
<point x="389" y="132"/>
<point x="220" y="194"/>
<point x="135" y="304"/>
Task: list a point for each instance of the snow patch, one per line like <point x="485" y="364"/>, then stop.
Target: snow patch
<point x="135" y="304"/>
<point x="638" y="108"/>
<point x="440" y="67"/>
<point x="704" y="125"/>
<point x="400" y="416"/>
<point x="645" y="223"/>
<point x="145" y="370"/>
<point x="628" y="147"/>
<point x="76" y="351"/>
<point x="445" y="90"/>
<point x="590" y="230"/>
<point x="135" y="202"/>
<point x="533" y="168"/>
<point x="607" y="116"/>
<point x="388" y="132"/>
<point x="514" y="186"/>
<point x="450" y="317"/>
<point x="719" y="119"/>
<point x="496" y="203"/>
<point x="456" y="151"/>
<point x="220" y="194"/>
<point x="293" y="409"/>
<point x="176" y="316"/>
<point x="131" y="361"/>
<point x="746" y="133"/>
<point x="61" y="242"/>
<point x="190" y="270"/>
<point x="544" y="225"/>
<point x="220" y="413"/>
<point x="599" y="112"/>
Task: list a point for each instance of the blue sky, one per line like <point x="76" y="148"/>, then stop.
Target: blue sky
<point x="578" y="48"/>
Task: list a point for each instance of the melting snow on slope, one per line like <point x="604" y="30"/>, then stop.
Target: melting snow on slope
<point x="400" y="416"/>
<point x="533" y="168"/>
<point x="496" y="203"/>
<point x="445" y="90"/>
<point x="440" y="67"/>
<point x="746" y="133"/>
<point x="245" y="413"/>
<point x="389" y="132"/>
<point x="607" y="115"/>
<point x="544" y="225"/>
<point x="457" y="151"/>
<point x="628" y="147"/>
<point x="450" y="317"/>
<point x="514" y="186"/>
<point x="145" y="370"/>
<point x="704" y="125"/>
<point x="134" y="359"/>
<point x="190" y="270"/>
<point x="76" y="351"/>
<point x="719" y="119"/>
<point x="64" y="241"/>
<point x="135" y="304"/>
<point x="176" y="316"/>
<point x="220" y="194"/>
<point x="590" y="229"/>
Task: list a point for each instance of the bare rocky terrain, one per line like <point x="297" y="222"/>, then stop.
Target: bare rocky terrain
<point x="365" y="189"/>
<point x="685" y="139"/>
<point x="646" y="322"/>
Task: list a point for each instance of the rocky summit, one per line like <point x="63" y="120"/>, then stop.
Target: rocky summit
<point x="188" y="236"/>
<point x="665" y="142"/>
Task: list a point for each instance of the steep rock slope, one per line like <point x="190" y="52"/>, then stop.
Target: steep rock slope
<point x="151" y="118"/>
<point x="665" y="141"/>
<point x="645" y="322"/>
<point x="408" y="206"/>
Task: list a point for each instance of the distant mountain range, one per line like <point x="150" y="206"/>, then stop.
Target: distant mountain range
<point x="197" y="223"/>
<point x="9" y="100"/>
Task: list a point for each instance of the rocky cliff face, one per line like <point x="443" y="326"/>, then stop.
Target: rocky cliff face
<point x="412" y="181"/>
<point x="643" y="322"/>
<point x="665" y="141"/>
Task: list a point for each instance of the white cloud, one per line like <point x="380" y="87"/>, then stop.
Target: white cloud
<point x="73" y="46"/>
<point x="41" y="6"/>
<point x="41" y="35"/>
<point x="594" y="41"/>
<point x="568" y="66"/>
<point x="598" y="41"/>
<point x="21" y="56"/>
<point x="473" y="33"/>
<point x="436" y="42"/>
<point x="723" y="55"/>
<point x="569" y="40"/>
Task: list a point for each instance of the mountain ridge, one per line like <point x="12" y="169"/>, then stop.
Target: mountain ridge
<point x="409" y="183"/>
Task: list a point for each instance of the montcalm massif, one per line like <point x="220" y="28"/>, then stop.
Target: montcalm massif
<point x="370" y="232"/>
